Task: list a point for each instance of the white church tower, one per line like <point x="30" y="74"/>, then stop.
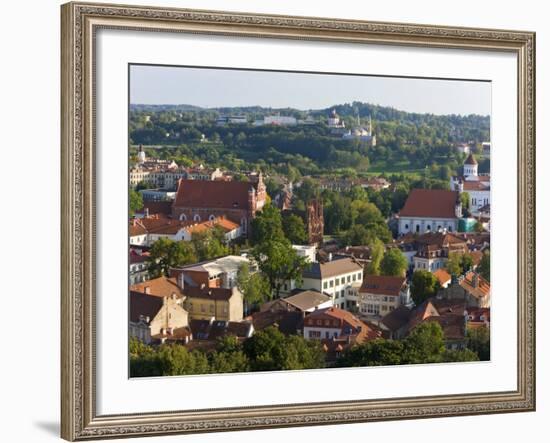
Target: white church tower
<point x="470" y="167"/>
<point x="141" y="155"/>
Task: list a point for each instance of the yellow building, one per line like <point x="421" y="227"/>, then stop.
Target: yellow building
<point x="220" y="303"/>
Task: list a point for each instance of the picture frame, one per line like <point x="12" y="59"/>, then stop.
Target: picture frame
<point x="80" y="24"/>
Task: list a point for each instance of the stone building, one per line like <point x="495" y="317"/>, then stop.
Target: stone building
<point x="315" y="222"/>
<point x="199" y="200"/>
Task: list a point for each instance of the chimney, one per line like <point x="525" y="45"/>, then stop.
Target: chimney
<point x="146" y="213"/>
<point x="330" y="256"/>
<point x="475" y="280"/>
<point x="181" y="280"/>
<point x="147" y="290"/>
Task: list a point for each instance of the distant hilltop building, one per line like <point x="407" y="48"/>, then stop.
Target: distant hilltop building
<point x="478" y="186"/>
<point x="336" y="124"/>
<point x="360" y="133"/>
<point x="224" y="120"/>
<point x="278" y="120"/>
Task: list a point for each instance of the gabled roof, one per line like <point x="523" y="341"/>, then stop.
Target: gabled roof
<point x="382" y="284"/>
<point x="307" y="300"/>
<point x="288" y="322"/>
<point x="437" y="203"/>
<point x="479" y="290"/>
<point x="331" y="269"/>
<point x="213" y="194"/>
<point x="343" y="319"/>
<point x="143" y="305"/>
<point x="159" y="287"/>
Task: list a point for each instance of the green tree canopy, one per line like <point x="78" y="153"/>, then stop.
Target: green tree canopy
<point x="484" y="267"/>
<point x="267" y="225"/>
<point x="295" y="229"/>
<point x="166" y="253"/>
<point x="425" y="344"/>
<point x="136" y="201"/>
<point x="424" y="285"/>
<point x="270" y="350"/>
<point x="254" y="286"/>
<point x="376" y="254"/>
<point x="478" y="340"/>
<point x="454" y="264"/>
<point x="379" y="352"/>
<point x="208" y="244"/>
<point x="394" y="263"/>
<point x="279" y="262"/>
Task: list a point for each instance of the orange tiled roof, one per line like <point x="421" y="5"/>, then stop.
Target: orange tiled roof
<point x="442" y="276"/>
<point x="481" y="290"/>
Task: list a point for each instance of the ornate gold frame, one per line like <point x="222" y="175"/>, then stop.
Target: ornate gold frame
<point x="79" y="23"/>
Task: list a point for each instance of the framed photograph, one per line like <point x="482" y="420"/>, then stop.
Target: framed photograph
<point x="275" y="221"/>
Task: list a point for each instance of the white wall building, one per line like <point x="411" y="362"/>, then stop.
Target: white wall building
<point x="333" y="278"/>
<point x="477" y="186"/>
<point x="430" y="210"/>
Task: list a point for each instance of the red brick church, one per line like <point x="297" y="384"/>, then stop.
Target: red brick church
<point x="201" y="200"/>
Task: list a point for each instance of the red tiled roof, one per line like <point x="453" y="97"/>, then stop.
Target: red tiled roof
<point x="436" y="203"/>
<point x="343" y="318"/>
<point x="158" y="207"/>
<point x="137" y="228"/>
<point x="382" y="284"/>
<point x="476" y="185"/>
<point x="213" y="194"/>
<point x="159" y="287"/>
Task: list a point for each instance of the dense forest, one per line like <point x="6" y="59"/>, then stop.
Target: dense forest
<point x="406" y="142"/>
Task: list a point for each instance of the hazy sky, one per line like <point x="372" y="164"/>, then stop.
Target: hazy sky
<point x="220" y="87"/>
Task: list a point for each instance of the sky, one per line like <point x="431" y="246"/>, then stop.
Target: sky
<point x="212" y="88"/>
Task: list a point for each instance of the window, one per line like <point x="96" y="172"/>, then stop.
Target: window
<point x="203" y="308"/>
<point x="354" y="277"/>
<point x="211" y="217"/>
<point x="211" y="308"/>
<point x="349" y="278"/>
<point x="406" y="226"/>
<point x="332" y="283"/>
<point x="314" y="334"/>
<point x="325" y="285"/>
<point x="429" y="227"/>
<point x="197" y="218"/>
<point x="327" y="334"/>
<point x="417" y="228"/>
<point x="342" y="293"/>
<point x="337" y="282"/>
